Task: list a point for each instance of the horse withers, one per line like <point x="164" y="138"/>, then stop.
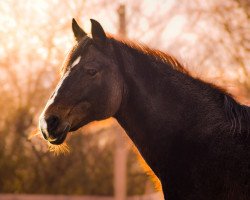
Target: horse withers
<point x="193" y="135"/>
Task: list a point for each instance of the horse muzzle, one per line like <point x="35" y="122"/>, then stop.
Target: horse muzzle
<point x="53" y="129"/>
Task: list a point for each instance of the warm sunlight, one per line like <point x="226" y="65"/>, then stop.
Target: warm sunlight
<point x="81" y="149"/>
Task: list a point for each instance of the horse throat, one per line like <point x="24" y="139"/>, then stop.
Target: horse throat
<point x="144" y="107"/>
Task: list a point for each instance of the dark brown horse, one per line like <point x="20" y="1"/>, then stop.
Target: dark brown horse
<point x="193" y="135"/>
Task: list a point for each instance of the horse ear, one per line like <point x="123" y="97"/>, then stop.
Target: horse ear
<point x="77" y="30"/>
<point x="97" y="32"/>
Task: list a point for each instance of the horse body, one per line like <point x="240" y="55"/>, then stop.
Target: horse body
<point x="193" y="135"/>
<point x="180" y="127"/>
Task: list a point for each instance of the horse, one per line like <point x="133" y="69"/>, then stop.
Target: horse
<point x="192" y="134"/>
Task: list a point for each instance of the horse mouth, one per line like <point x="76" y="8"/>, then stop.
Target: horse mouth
<point x="61" y="137"/>
<point x="58" y="140"/>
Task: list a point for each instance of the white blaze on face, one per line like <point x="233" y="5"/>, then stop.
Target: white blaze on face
<point x="43" y="126"/>
<point x="42" y="122"/>
<point x="51" y="100"/>
<point x="77" y="60"/>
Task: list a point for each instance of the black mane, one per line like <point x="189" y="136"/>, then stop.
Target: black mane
<point x="238" y="115"/>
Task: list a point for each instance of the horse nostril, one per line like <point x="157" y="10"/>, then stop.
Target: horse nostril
<point x="52" y="122"/>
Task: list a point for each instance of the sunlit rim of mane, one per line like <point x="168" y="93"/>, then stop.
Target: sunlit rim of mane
<point x="157" y="54"/>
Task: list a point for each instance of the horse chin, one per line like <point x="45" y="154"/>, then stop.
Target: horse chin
<point x="75" y="128"/>
<point x="79" y="125"/>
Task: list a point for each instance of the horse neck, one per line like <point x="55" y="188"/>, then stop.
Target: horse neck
<point x="155" y="98"/>
<point x="161" y="108"/>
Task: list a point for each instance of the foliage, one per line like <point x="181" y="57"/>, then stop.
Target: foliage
<point x="27" y="167"/>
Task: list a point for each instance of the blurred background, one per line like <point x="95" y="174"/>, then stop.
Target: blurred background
<point x="211" y="38"/>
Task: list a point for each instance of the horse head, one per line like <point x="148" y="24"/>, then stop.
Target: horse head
<point x="90" y="87"/>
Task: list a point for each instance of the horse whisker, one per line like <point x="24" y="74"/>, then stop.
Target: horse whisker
<point x="59" y="149"/>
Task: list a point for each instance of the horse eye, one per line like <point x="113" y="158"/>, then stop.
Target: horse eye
<point x="92" y="72"/>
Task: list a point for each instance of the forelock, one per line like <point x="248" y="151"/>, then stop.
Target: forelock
<point x="74" y="53"/>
